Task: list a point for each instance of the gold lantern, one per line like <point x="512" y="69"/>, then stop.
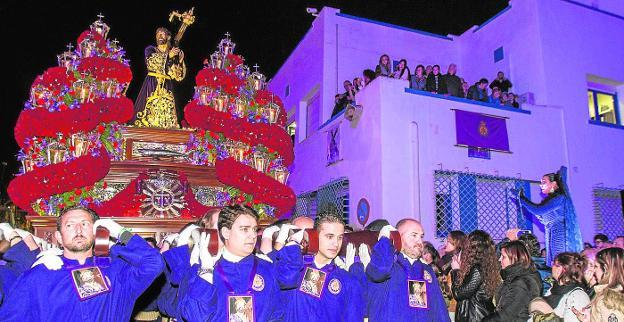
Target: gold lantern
<point x="240" y="106"/>
<point x="83" y="89"/>
<point x="204" y="95"/>
<point x="100" y="27"/>
<point x="110" y="88"/>
<point x="220" y="103"/>
<point x="226" y="45"/>
<point x="271" y="112"/>
<point x="239" y="151"/>
<point x="256" y="79"/>
<point x="217" y="60"/>
<point x="280" y="173"/>
<point x="38" y="92"/>
<point x="81" y="144"/>
<point x="67" y="58"/>
<point x="28" y="164"/>
<point x="260" y="161"/>
<point x="87" y="47"/>
<point x="56" y="153"/>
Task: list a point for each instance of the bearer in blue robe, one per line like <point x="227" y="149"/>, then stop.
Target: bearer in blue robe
<point x="18" y="258"/>
<point x="237" y="286"/>
<point x="326" y="291"/>
<point x="410" y="289"/>
<point x="85" y="288"/>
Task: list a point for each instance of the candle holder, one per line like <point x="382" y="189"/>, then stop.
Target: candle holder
<point x="280" y="173"/>
<point x="260" y="161"/>
<point x="271" y="112"/>
<point x="220" y="102"/>
<point x="226" y="45"/>
<point x="239" y="107"/>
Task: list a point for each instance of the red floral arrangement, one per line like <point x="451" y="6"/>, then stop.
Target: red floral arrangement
<point x="55" y="79"/>
<point x="263" y="188"/>
<point x="233" y="61"/>
<point x="219" y="79"/>
<point x="58" y="178"/>
<point x="100" y="41"/>
<point x="103" y="69"/>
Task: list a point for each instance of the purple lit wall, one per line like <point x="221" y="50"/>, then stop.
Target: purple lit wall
<point x="554" y="49"/>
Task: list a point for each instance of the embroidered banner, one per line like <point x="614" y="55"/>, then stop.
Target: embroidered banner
<point x="481" y="131"/>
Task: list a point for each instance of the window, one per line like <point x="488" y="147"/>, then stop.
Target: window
<point x="312" y="115"/>
<point x="287" y="91"/>
<point x="603" y="107"/>
<point x="333" y="195"/>
<point x="499" y="54"/>
<point x="608" y="217"/>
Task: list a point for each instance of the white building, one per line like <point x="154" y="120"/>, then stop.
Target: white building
<point x="557" y="53"/>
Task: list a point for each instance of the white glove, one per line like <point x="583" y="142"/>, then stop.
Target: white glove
<point x="7" y="230"/>
<point x="50" y="258"/>
<point x="340" y="263"/>
<point x="364" y="255"/>
<point x="350" y="256"/>
<point x="195" y="235"/>
<point x="385" y="231"/>
<point x="298" y="236"/>
<point x="22" y="233"/>
<point x="113" y="228"/>
<point x="283" y="233"/>
<point x="206" y="260"/>
<point x="185" y="234"/>
<point x="171" y="238"/>
<point x="194" y="255"/>
<point x="269" y="231"/>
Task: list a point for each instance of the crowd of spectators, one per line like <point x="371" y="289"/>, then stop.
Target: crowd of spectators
<point x="431" y="79"/>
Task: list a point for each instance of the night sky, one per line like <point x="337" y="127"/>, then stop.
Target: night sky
<point x="34" y="32"/>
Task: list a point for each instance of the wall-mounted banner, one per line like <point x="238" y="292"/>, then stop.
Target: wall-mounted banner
<point x="481" y="131"/>
<point x="333" y="145"/>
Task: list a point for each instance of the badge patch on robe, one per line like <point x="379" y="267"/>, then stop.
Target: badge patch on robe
<point x="258" y="283"/>
<point x="240" y="308"/>
<point x="417" y="291"/>
<point x="89" y="282"/>
<point x="427" y="277"/>
<point x="334" y="286"/>
<point x="313" y="282"/>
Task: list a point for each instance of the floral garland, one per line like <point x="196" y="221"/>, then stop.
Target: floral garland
<point x="103" y="69"/>
<point x="237" y="129"/>
<point x="219" y="79"/>
<point x="58" y="178"/>
<point x="263" y="188"/>
<point x="40" y="122"/>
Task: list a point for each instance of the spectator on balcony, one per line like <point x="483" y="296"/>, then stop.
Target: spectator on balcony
<point x="435" y="82"/>
<point x="419" y="80"/>
<point x="358" y="84"/>
<point x="349" y="94"/>
<point x="513" y="98"/>
<point x="339" y="105"/>
<point x="402" y="71"/>
<point x="453" y="83"/>
<point x="464" y="89"/>
<point x="385" y="67"/>
<point x="428" y="70"/>
<point x="368" y="75"/>
<point x="495" y="98"/>
<point x="501" y="82"/>
<point x="478" y="91"/>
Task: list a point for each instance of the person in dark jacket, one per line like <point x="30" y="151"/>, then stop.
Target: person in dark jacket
<point x="501" y="82"/>
<point x="453" y="83"/>
<point x="475" y="277"/>
<point x="521" y="284"/>
<point x="435" y="82"/>
<point x="478" y="91"/>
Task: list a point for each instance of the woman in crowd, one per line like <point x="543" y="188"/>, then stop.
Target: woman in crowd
<point x="452" y="246"/>
<point x="358" y="84"/>
<point x="556" y="213"/>
<point x="475" y="277"/>
<point x="431" y="257"/>
<point x="566" y="293"/>
<point x="419" y="80"/>
<point x="589" y="278"/>
<point x="402" y="71"/>
<point x="368" y="76"/>
<point x="608" y="305"/>
<point x="385" y="67"/>
<point x="521" y="284"/>
<point x="465" y="87"/>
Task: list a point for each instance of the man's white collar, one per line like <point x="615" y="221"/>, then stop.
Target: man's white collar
<point x="231" y="257"/>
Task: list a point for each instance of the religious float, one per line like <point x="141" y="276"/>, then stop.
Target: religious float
<point x="83" y="144"/>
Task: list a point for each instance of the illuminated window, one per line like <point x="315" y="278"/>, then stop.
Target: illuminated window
<point x="603" y="107"/>
<point x="292" y="128"/>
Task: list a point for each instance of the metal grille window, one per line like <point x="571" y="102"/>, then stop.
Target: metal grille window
<point x="335" y="193"/>
<point x="471" y="201"/>
<point x="608" y="215"/>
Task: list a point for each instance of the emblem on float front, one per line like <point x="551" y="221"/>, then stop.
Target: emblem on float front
<point x="165" y="195"/>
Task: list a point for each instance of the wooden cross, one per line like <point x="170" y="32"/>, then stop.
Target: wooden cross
<point x="256" y="66"/>
<point x="100" y="16"/>
<point x="227" y="35"/>
<point x="70" y="47"/>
